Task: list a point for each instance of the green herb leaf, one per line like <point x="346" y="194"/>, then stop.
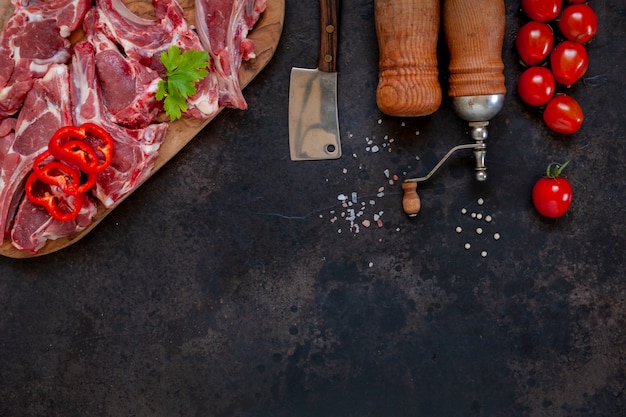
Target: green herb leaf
<point x="183" y="71"/>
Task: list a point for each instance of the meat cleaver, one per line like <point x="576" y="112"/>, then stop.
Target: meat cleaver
<point x="313" y="121"/>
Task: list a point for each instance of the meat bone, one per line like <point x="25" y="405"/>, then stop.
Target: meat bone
<point x="408" y="76"/>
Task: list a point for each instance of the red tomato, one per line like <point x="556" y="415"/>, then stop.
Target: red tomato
<point x="534" y="41"/>
<point x="578" y="23"/>
<point x="552" y="194"/>
<point x="552" y="197"/>
<point x="563" y="114"/>
<point x="536" y="86"/>
<point x="569" y="62"/>
<point x="542" y="10"/>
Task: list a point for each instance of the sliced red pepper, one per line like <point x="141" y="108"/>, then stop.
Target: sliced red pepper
<point x="56" y="173"/>
<point x="77" y="152"/>
<point x="41" y="193"/>
<point x="68" y="145"/>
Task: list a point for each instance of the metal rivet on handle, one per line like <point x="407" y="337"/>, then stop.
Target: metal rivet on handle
<point x="330" y="28"/>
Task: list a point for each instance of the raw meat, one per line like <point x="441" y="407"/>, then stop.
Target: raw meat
<point x="135" y="150"/>
<point x="223" y="27"/>
<point x="34" y="226"/>
<point x="34" y="38"/>
<point x="128" y="87"/>
<point x="46" y="109"/>
<point x="143" y="40"/>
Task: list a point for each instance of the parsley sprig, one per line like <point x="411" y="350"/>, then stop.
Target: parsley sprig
<point x="183" y="71"/>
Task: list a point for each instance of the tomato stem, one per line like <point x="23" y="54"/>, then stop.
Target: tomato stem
<point x="555" y="168"/>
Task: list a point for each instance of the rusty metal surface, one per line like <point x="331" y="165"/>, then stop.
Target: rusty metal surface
<point x="234" y="282"/>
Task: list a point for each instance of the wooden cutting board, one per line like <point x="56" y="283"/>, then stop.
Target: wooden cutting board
<point x="265" y="34"/>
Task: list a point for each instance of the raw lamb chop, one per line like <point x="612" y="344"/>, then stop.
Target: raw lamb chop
<point x="33" y="39"/>
<point x="46" y="109"/>
<point x="128" y="87"/>
<point x="223" y="27"/>
<point x="135" y="150"/>
<point x="143" y="40"/>
<point x="34" y="226"/>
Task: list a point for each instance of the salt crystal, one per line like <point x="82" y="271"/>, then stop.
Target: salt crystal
<point x="380" y="121"/>
<point x="483" y="254"/>
<point x="375" y="149"/>
<point x="488" y="218"/>
<point x="342" y="197"/>
<point x="381" y="189"/>
<point x="386" y="173"/>
<point x="463" y="210"/>
<point x="479" y="230"/>
<point x="479" y="216"/>
<point x="459" y="229"/>
<point x="379" y="222"/>
<point x="380" y="195"/>
<point x="366" y="223"/>
<point x="496" y="236"/>
<point x="371" y="264"/>
<point x="467" y="246"/>
<point x="345" y="171"/>
<point x="481" y="201"/>
<point x="354" y="198"/>
<point x="402" y="124"/>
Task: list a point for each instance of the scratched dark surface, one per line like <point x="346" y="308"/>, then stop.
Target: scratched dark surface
<point x="232" y="282"/>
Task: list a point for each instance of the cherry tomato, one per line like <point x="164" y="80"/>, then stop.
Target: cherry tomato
<point x="578" y="23"/>
<point x="536" y="86"/>
<point x="563" y="114"/>
<point x="542" y="10"/>
<point x="552" y="194"/>
<point x="534" y="41"/>
<point x="569" y="62"/>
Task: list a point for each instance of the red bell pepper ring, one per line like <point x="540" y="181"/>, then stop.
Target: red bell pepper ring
<point x="78" y="153"/>
<point x="91" y="156"/>
<point x="56" y="173"/>
<point x="41" y="193"/>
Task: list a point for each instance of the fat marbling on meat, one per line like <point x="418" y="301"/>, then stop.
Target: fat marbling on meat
<point x="223" y="27"/>
<point x="34" y="38"/>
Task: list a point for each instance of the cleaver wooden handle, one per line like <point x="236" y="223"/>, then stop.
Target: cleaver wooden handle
<point x="327" y="60"/>
<point x="474" y="31"/>
<point x="407" y="32"/>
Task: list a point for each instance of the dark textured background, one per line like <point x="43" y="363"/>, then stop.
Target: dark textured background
<point x="224" y="286"/>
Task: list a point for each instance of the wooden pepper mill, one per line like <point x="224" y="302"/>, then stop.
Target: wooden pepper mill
<point x="408" y="86"/>
<point x="407" y="32"/>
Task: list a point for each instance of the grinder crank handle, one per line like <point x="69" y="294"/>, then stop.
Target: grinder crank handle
<point x="474" y="31"/>
<point x="407" y="32"/>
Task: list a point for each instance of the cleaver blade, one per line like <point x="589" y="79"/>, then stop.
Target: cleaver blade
<point x="313" y="120"/>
